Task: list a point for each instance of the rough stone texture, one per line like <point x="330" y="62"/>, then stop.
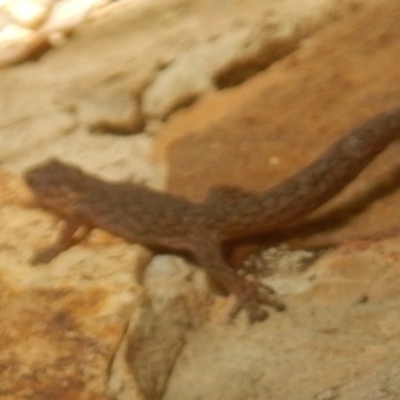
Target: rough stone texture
<point x="133" y="59"/>
<point x="287" y="116"/>
<point x="382" y="383"/>
<point x="82" y="327"/>
<point x="338" y="329"/>
<point x="339" y="337"/>
<point x="62" y="324"/>
<point x="28" y="28"/>
<point x="179" y="301"/>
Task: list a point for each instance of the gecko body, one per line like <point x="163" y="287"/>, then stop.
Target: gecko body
<point x="161" y="220"/>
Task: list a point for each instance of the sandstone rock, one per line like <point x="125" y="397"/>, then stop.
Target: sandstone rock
<point x="82" y="327"/>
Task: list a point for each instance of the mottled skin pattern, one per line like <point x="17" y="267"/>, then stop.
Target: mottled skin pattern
<point x="163" y="221"/>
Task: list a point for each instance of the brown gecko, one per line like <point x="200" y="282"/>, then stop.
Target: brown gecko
<point x="165" y="221"/>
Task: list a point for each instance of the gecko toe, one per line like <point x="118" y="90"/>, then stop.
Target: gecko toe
<point x="44" y="256"/>
<point x="272" y="301"/>
<point x="255" y="312"/>
<point x="257" y="315"/>
<point x="254" y="299"/>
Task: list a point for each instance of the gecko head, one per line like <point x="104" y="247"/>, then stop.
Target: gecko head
<point x="54" y="183"/>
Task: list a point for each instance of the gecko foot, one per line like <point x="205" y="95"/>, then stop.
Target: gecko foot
<point x="45" y="255"/>
<point x="257" y="296"/>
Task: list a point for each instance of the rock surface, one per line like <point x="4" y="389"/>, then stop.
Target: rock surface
<point x="285" y="117"/>
<point x="94" y="325"/>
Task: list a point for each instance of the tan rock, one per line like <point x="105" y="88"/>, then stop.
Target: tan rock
<point x="285" y="117"/>
<point x="65" y="328"/>
<point x="19" y="44"/>
<point x="110" y="111"/>
<point x="29" y="13"/>
<point x="60" y="325"/>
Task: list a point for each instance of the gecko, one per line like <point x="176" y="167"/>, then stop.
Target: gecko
<point x="163" y="221"/>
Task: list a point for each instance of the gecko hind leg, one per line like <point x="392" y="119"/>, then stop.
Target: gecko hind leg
<point x="251" y="296"/>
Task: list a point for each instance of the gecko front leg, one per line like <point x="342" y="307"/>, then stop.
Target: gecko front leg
<point x="66" y="238"/>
